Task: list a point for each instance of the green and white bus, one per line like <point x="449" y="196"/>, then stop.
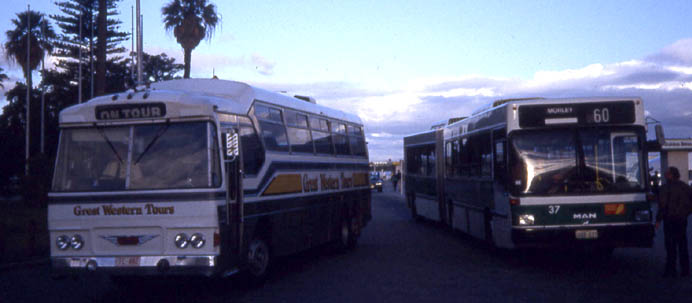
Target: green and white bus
<point x="536" y="173"/>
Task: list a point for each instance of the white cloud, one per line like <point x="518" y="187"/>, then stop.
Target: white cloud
<point x="262" y="64"/>
<point x="589" y="72"/>
<point x="663" y="80"/>
<point x="204" y="64"/>
<point x="678" y="53"/>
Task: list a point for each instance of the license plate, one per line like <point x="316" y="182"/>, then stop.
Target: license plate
<point x="127" y="261"/>
<point x="587" y="234"/>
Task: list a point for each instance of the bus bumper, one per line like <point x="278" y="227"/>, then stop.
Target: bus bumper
<point x="136" y="265"/>
<point x="634" y="235"/>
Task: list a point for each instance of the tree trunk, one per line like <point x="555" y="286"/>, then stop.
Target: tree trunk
<point x="101" y="48"/>
<point x="188" y="58"/>
<point x="29" y="80"/>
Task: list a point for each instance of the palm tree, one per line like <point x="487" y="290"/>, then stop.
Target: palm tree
<point x="3" y="77"/>
<point x="191" y="21"/>
<point x="39" y="32"/>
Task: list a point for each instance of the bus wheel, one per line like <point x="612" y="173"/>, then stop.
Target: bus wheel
<point x="258" y="259"/>
<point x="347" y="238"/>
<point x="414" y="211"/>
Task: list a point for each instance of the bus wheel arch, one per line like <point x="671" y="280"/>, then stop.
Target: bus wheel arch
<point x="488" y="225"/>
<point x="411" y="199"/>
<point x="259" y="252"/>
<point x="258" y="258"/>
<point x="347" y="238"/>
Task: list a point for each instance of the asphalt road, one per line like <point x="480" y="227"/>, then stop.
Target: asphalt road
<point x="397" y="260"/>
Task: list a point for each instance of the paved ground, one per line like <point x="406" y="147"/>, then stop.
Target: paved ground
<point x="397" y="260"/>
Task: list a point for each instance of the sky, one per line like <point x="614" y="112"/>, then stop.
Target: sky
<point x="402" y="65"/>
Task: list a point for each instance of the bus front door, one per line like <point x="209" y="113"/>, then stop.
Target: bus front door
<point x="232" y="243"/>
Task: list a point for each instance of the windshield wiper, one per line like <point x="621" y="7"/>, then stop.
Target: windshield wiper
<point x="159" y="133"/>
<point x="103" y="134"/>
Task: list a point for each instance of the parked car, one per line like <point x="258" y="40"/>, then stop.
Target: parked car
<point x="376" y="183"/>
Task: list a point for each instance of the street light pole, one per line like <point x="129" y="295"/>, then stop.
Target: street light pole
<point x="139" y="46"/>
<point x="43" y="95"/>
<point x="43" y="108"/>
<point x="79" y="84"/>
<point x="28" y="90"/>
<point x="91" y="50"/>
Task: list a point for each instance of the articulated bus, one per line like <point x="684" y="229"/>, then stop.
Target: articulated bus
<point x="203" y="177"/>
<point x="537" y="173"/>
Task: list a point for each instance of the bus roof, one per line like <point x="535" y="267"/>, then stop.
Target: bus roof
<point x="423" y="137"/>
<point x="199" y="97"/>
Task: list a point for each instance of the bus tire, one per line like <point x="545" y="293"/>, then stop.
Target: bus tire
<point x="347" y="239"/>
<point x="488" y="228"/>
<point x="258" y="260"/>
<point x="412" y="203"/>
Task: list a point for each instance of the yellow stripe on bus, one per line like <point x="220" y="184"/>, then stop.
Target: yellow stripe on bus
<point x="360" y="179"/>
<point x="284" y="184"/>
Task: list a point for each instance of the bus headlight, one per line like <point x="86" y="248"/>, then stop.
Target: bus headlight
<point x="76" y="242"/>
<point x="62" y="242"/>
<point x="181" y="240"/>
<point x="526" y="220"/>
<point x="197" y="240"/>
<point x="642" y="215"/>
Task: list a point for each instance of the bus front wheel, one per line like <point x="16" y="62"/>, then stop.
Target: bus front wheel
<point x="258" y="259"/>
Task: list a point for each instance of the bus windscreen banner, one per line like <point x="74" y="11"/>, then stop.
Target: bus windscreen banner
<point x="130" y="111"/>
<point x="538" y="115"/>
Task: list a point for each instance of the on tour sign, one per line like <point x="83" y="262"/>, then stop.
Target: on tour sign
<point x="130" y="111"/>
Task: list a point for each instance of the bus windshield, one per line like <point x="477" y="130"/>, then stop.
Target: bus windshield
<point x="138" y="157"/>
<point x="576" y="161"/>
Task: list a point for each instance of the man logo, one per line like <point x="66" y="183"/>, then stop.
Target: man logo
<point x="584" y="216"/>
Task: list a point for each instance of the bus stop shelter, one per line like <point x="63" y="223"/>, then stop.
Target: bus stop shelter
<point x="675" y="152"/>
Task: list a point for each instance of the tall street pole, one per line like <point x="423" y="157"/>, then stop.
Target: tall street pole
<point x="79" y="82"/>
<point x="139" y="45"/>
<point x="132" y="49"/>
<point x="91" y="51"/>
<point x="43" y="97"/>
<point x="28" y="90"/>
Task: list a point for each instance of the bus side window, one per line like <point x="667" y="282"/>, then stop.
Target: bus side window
<point x="500" y="146"/>
<point x="253" y="154"/>
<point x="465" y="157"/>
<point x="340" y="139"/>
<point x="456" y="157"/>
<point x="448" y="159"/>
<point x="357" y="141"/>
<point x="272" y="128"/>
<point x="412" y="161"/>
<point x="298" y="132"/>
<point x="486" y="155"/>
<point x="321" y="136"/>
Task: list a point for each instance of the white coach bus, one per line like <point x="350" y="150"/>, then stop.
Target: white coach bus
<point x="203" y="177"/>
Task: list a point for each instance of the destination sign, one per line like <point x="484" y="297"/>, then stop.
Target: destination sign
<point x="130" y="111"/>
<point x="576" y="113"/>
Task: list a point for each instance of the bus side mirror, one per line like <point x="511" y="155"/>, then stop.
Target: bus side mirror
<point x="231" y="145"/>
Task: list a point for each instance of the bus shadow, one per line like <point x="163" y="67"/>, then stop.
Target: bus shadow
<point x="580" y="261"/>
